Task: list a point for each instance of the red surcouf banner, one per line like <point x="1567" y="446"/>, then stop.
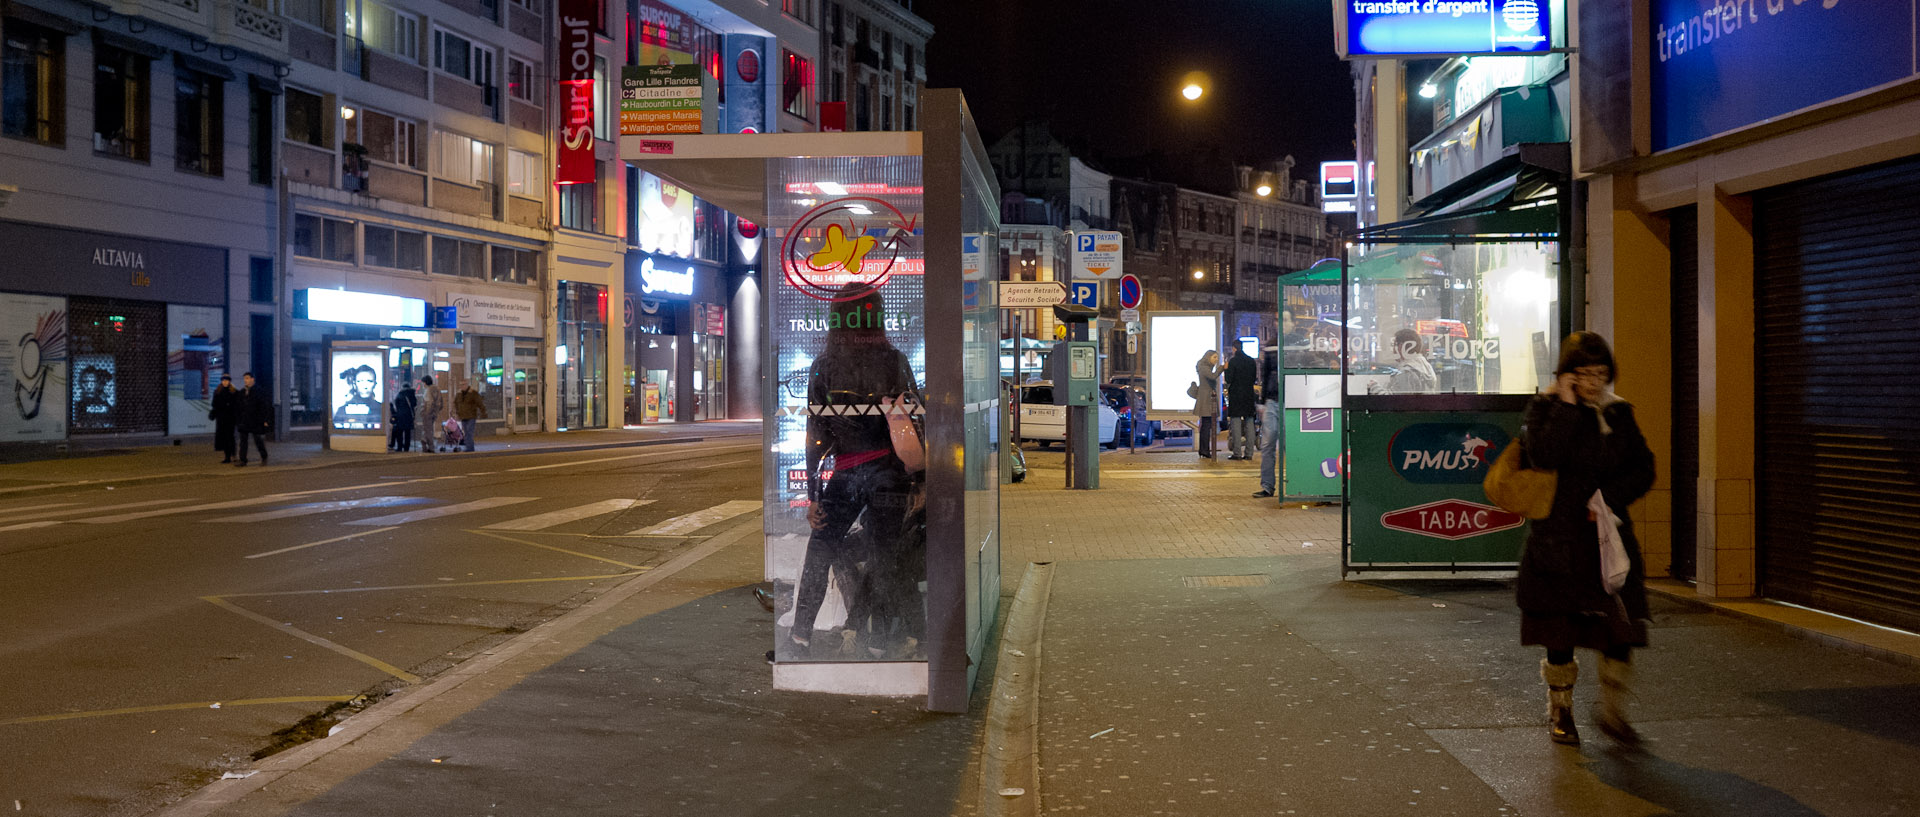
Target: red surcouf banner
<point x="574" y="159"/>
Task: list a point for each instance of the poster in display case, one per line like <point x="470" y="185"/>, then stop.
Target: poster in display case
<point x="357" y="394"/>
<point x="33" y="357"/>
<point x="196" y="358"/>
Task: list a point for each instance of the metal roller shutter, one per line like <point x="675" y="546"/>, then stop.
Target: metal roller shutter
<point x="1837" y="267"/>
<point x="1684" y="245"/>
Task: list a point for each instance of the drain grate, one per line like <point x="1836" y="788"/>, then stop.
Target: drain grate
<point x="1249" y="580"/>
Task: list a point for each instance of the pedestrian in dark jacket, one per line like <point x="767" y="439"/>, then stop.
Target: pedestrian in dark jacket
<point x="1242" y="402"/>
<point x="1269" y="421"/>
<point x="400" y="420"/>
<point x="469" y="409"/>
<point x="1587" y="435"/>
<point x="256" y="418"/>
<point x="225" y="415"/>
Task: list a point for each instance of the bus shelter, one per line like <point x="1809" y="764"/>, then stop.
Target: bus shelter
<point x="363" y="378"/>
<point x="881" y="321"/>
<point x="1451" y="325"/>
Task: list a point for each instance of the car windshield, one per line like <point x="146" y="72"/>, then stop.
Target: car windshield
<point x="1037" y="394"/>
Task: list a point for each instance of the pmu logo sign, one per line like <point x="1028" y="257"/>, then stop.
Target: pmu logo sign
<point x="574" y="164"/>
<point x="1444" y="453"/>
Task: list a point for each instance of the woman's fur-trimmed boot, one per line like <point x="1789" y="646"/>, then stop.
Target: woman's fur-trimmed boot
<point x="1560" y="678"/>
<point x="1616" y="683"/>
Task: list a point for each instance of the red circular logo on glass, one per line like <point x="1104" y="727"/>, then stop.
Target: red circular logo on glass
<point x="748" y="66"/>
<point x="748" y="229"/>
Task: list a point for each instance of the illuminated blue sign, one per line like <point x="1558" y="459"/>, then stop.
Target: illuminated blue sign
<point x="1721" y="66"/>
<point x="1429" y="27"/>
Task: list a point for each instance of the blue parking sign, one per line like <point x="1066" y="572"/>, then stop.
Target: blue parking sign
<point x="1085" y="293"/>
<point x="1086" y="241"/>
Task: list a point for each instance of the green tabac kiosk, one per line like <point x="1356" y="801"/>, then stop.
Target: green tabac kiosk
<point x="882" y="332"/>
<point x="1311" y="437"/>
<point x="1451" y="326"/>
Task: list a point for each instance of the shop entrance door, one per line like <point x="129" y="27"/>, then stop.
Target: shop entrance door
<point x="487" y="371"/>
<point x="525" y="405"/>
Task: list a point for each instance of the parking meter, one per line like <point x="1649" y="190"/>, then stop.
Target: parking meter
<point x="1075" y="369"/>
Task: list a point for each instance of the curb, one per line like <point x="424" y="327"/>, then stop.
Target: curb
<point x="1685" y="594"/>
<point x="28" y="490"/>
<point x="1010" y="752"/>
<point x="212" y="798"/>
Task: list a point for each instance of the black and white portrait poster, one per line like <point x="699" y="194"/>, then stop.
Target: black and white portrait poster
<point x="357" y="392"/>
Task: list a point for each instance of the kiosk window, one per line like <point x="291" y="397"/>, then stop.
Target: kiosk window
<point x="1440" y="319"/>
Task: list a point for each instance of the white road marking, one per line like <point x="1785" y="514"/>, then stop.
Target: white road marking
<point x="22" y="517"/>
<point x="542" y="521"/>
<point x="31" y="525"/>
<point x="34" y="506"/>
<point x="625" y="457"/>
<point x="324" y="542"/>
<point x="210" y="506"/>
<point x="444" y="510"/>
<point x="319" y="507"/>
<point x="683" y="525"/>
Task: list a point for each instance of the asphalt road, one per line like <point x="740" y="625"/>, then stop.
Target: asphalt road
<point x="152" y="636"/>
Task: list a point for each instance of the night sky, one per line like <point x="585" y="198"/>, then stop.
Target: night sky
<point x="1107" y="74"/>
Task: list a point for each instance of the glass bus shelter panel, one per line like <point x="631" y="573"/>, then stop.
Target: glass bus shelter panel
<point x="1452" y="319"/>
<point x="981" y="393"/>
<point x="845" y="522"/>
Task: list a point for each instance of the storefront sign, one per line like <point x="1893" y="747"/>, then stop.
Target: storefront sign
<point x="83" y="262"/>
<point x="657" y="99"/>
<point x="1429" y="453"/>
<point x="1720" y="66"/>
<point x="1419" y="473"/>
<point x="492" y="310"/>
<point x="369" y="308"/>
<point x="33" y="367"/>
<point x="657" y="280"/>
<point x="1375" y="28"/>
<point x="1451" y="519"/>
<point x="574" y="164"/>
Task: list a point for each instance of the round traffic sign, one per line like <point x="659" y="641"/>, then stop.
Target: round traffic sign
<point x="1129" y="291"/>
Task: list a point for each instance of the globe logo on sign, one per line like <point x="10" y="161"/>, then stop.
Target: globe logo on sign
<point x="1520" y="15"/>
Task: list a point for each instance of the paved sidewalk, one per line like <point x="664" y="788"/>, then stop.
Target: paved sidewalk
<point x="197" y="459"/>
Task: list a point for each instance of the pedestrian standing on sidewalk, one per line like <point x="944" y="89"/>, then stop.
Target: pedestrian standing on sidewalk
<point x="255" y="418"/>
<point x="1242" y="400"/>
<point x="1206" y="401"/>
<point x="1269" y="420"/>
<point x="431" y="408"/>
<point x="469" y="409"/>
<point x="1585" y="433"/>
<point x="400" y="438"/>
<point x="225" y="414"/>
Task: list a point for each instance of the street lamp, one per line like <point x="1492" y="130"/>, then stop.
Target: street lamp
<point x="1192" y="91"/>
<point x="1197" y="275"/>
<point x="1263" y="190"/>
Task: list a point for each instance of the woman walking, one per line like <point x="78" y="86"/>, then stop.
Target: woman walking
<point x="1206" y="401"/>
<point x="1585" y="433"/>
<point x="225" y="415"/>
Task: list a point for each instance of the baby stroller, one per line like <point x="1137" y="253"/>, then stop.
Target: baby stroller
<point x="455" y="434"/>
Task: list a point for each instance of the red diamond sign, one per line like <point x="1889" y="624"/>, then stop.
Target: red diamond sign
<point x="1451" y="519"/>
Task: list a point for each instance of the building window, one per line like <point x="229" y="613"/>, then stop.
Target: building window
<point x="306" y="118"/>
<point x="121" y="86"/>
<point x="259" y="136"/>
<point x="906" y="61"/>
<point x="602" y="94"/>
<point x="467" y="259"/>
<point x="801" y="10"/>
<point x="886" y="112"/>
<point x="520" y="82"/>
<point x="460" y="57"/>
<point x="32" y="83"/>
<point x="465" y="161"/>
<point x="311" y="12"/>
<point x="387" y="138"/>
<point x="886" y="51"/>
<point x="511" y="266"/>
<point x="324" y="238"/>
<point x="836" y="85"/>
<point x="834" y="24"/>
<point x="260" y="280"/>
<point x="384" y="29"/>
<point x="906" y="116"/>
<point x="796" y="85"/>
<point x="580" y="205"/>
<point x="395" y="249"/>
<point x="197" y="118"/>
<point x="526" y="174"/>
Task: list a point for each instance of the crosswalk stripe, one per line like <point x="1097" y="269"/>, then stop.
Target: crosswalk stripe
<point x="42" y="514"/>
<point x="444" y="510"/>
<point x="45" y="523"/>
<point x="322" y="542"/>
<point x="683" y="525"/>
<point x="542" y="521"/>
<point x="311" y="508"/>
<point x="210" y="506"/>
<point x="644" y="454"/>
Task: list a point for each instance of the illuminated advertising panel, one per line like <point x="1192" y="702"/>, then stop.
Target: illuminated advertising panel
<point x="357" y="397"/>
<point x="370" y="308"/>
<point x="1380" y="28"/>
<point x="33" y="361"/>
<point x="196" y="342"/>
<point x="574" y="160"/>
<point x="666" y="217"/>
<point x="1175" y="343"/>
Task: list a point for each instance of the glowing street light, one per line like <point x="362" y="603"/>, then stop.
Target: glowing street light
<point x="1263" y="190"/>
<point x="1427" y="91"/>
<point x="1197" y="275"/>
<point x="1192" y="91"/>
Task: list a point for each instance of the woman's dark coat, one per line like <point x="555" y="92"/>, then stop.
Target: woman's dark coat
<point x="1241" y="401"/>
<point x="1560" y="568"/>
<point x="404" y="404"/>
<point x="225" y="415"/>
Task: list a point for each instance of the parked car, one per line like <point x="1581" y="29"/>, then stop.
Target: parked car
<point x="1129" y="404"/>
<point x="1046" y="423"/>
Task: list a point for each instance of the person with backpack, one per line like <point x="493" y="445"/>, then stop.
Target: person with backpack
<point x="400" y="419"/>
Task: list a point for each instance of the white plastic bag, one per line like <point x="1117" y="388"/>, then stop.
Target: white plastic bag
<point x="1613" y="551"/>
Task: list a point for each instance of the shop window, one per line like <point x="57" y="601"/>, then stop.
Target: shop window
<point x="709" y="232"/>
<point x="384" y="28"/>
<point x="1442" y="319"/>
<point x="526" y="174"/>
<point x="121" y="86"/>
<point x="117" y="356"/>
<point x="512" y="266"/>
<point x="306" y="118"/>
<point x="260" y="280"/>
<point x="32" y="83"/>
<point x="467" y="259"/>
<point x="324" y="238"/>
<point x="580" y="355"/>
<point x="395" y="249"/>
<point x="197" y="118"/>
<point x="387" y="138"/>
<point x="796" y="80"/>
